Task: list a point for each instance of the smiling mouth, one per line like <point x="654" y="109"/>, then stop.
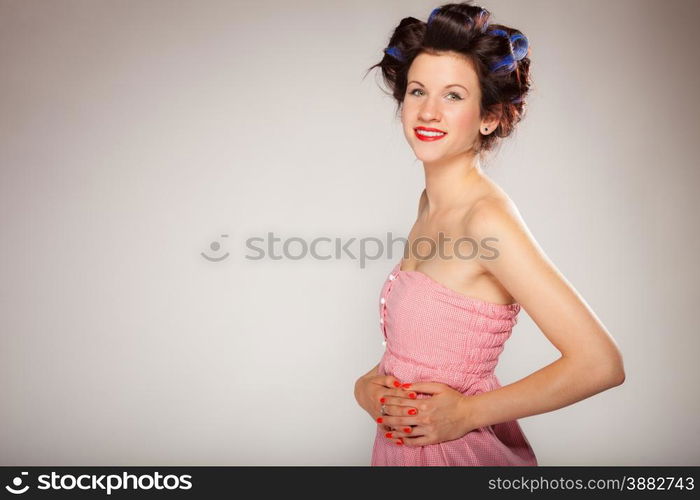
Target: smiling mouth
<point x="425" y="134"/>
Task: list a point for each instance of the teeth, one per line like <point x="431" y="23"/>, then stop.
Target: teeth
<point x="429" y="134"/>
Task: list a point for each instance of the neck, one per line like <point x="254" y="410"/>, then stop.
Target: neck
<point x="452" y="183"/>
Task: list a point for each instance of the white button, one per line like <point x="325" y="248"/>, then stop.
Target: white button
<point x="381" y="320"/>
<point x="384" y="342"/>
<point x="392" y="277"/>
<point x="382" y="300"/>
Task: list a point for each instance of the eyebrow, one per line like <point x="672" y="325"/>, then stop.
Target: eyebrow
<point x="446" y="86"/>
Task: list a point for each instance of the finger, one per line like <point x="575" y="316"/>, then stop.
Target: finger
<point x="406" y="399"/>
<point x="400" y="410"/>
<point x="397" y="393"/>
<point x="391" y="381"/>
<point x="398" y="422"/>
<point x="382" y="401"/>
<point x="394" y="436"/>
<point x="405" y="431"/>
<point x="417" y="441"/>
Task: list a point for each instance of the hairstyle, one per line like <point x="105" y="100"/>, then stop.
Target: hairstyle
<point x="499" y="54"/>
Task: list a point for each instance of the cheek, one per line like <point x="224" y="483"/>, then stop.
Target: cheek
<point x="465" y="120"/>
<point x="411" y="106"/>
<point x="406" y="121"/>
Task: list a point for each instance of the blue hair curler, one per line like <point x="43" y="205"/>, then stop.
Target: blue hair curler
<point x="505" y="65"/>
<point x="497" y="32"/>
<point x="432" y="14"/>
<point x="481" y="14"/>
<point x="518" y="44"/>
<point x="395" y="53"/>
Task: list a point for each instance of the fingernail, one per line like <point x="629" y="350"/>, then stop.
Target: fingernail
<point x="382" y="400"/>
<point x="412" y="411"/>
<point x="412" y="395"/>
<point x="380" y="419"/>
<point x="397" y="383"/>
<point x="388" y="434"/>
<point x="400" y="441"/>
<point x="406" y="386"/>
<point x="407" y="430"/>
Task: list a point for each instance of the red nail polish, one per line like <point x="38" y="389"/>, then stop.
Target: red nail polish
<point x="412" y="395"/>
<point x="407" y="430"/>
<point x="406" y="386"/>
<point x="397" y="383"/>
<point x="400" y="441"/>
<point x="412" y="411"/>
<point x="388" y="434"/>
<point x="382" y="400"/>
<point x="380" y="419"/>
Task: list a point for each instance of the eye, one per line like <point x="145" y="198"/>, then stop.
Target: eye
<point x="456" y="97"/>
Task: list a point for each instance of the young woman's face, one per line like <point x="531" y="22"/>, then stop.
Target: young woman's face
<point x="443" y="94"/>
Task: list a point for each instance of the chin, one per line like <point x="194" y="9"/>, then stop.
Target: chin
<point x="428" y="154"/>
<point x="429" y="158"/>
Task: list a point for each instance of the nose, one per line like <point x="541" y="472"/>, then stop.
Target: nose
<point x="429" y="110"/>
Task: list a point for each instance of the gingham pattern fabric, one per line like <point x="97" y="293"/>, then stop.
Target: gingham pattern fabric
<point x="436" y="334"/>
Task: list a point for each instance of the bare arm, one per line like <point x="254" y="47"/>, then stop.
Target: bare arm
<point x="590" y="361"/>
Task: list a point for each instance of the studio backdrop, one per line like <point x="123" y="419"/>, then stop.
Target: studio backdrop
<point x="198" y="198"/>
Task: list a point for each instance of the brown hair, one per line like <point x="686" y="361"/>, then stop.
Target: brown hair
<point x="502" y="67"/>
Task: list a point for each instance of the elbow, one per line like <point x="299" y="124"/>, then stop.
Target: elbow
<point x="618" y="377"/>
<point x="604" y="372"/>
<point x="620" y="373"/>
<point x="614" y="372"/>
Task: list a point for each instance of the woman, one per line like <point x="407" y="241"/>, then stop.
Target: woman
<point x="460" y="84"/>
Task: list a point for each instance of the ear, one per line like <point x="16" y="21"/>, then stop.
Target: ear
<point x="493" y="118"/>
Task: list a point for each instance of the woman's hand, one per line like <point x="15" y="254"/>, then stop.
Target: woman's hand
<point x="444" y="416"/>
<point x="371" y="389"/>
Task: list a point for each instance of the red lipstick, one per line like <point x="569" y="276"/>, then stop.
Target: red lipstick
<point x="434" y="133"/>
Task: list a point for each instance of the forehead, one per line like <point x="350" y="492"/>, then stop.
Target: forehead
<point x="443" y="69"/>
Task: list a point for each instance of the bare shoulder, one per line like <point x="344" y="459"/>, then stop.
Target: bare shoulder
<point x="489" y="211"/>
<point x="497" y="226"/>
<point x="493" y="210"/>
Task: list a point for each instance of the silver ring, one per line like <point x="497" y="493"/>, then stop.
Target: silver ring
<point x="384" y="410"/>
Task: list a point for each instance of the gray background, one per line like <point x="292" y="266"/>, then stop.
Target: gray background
<point x="133" y="134"/>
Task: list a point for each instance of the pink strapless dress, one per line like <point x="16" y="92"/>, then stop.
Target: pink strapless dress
<point x="436" y="334"/>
